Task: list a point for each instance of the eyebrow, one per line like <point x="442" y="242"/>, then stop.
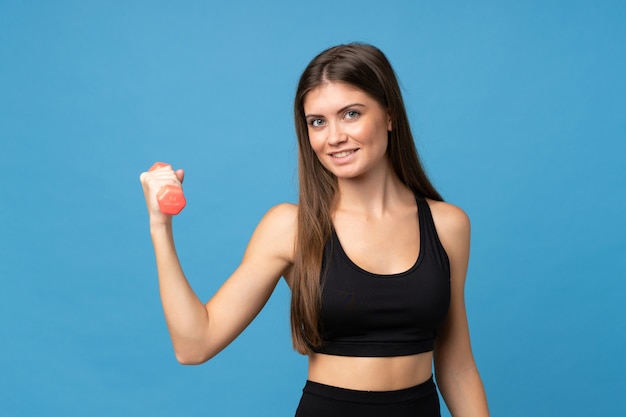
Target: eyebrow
<point x="341" y="110"/>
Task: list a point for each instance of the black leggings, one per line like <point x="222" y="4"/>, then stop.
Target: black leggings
<point x="319" y="400"/>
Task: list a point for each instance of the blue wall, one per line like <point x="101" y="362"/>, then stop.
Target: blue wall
<point x="520" y="113"/>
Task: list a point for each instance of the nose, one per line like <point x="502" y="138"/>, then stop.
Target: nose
<point x="336" y="135"/>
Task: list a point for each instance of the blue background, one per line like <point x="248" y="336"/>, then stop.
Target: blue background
<point x="519" y="111"/>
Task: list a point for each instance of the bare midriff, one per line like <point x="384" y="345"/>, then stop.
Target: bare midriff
<point x="370" y="374"/>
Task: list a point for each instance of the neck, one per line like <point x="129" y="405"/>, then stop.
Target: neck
<point x="373" y="195"/>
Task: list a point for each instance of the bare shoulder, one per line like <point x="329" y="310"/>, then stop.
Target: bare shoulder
<point x="276" y="231"/>
<point x="451" y="222"/>
<point x="283" y="216"/>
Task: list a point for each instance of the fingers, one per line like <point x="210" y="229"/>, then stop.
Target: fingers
<point x="155" y="180"/>
<point x="180" y="174"/>
<point x="163" y="175"/>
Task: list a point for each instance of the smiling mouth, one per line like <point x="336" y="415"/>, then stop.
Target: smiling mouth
<point x="342" y="154"/>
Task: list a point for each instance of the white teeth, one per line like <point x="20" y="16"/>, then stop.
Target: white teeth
<point x="342" y="154"/>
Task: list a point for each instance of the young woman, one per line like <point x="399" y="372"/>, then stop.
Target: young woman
<point x="375" y="260"/>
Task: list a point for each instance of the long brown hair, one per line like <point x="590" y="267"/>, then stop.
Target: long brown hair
<point x="366" y="68"/>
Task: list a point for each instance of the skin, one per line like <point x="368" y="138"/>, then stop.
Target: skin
<point x="375" y="217"/>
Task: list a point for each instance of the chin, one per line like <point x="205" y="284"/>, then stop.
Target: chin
<point x="347" y="175"/>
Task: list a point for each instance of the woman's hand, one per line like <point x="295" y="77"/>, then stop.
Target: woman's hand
<point x="152" y="181"/>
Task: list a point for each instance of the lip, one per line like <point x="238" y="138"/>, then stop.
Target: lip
<point x="345" y="153"/>
<point x="343" y="160"/>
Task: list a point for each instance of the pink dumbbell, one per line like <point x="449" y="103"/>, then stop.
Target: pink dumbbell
<point x="170" y="197"/>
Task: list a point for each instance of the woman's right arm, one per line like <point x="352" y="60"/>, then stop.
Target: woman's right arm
<point x="199" y="331"/>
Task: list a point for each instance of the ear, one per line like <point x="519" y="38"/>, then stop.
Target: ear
<point x="389" y="125"/>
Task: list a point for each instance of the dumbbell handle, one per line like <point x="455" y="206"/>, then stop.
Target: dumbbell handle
<point x="170" y="197"/>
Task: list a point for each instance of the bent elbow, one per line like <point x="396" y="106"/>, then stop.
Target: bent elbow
<point x="192" y="356"/>
<point x="193" y="351"/>
<point x="189" y="359"/>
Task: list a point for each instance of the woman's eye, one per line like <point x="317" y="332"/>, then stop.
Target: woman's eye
<point x="352" y="114"/>
<point x="316" y="122"/>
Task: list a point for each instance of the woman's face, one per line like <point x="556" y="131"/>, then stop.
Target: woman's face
<point x="347" y="129"/>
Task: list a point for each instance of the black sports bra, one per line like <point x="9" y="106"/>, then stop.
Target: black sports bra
<point x="366" y="314"/>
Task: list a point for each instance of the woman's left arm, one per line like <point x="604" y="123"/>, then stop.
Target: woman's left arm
<point x="455" y="369"/>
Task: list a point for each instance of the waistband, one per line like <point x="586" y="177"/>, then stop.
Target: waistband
<point x="371" y="397"/>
